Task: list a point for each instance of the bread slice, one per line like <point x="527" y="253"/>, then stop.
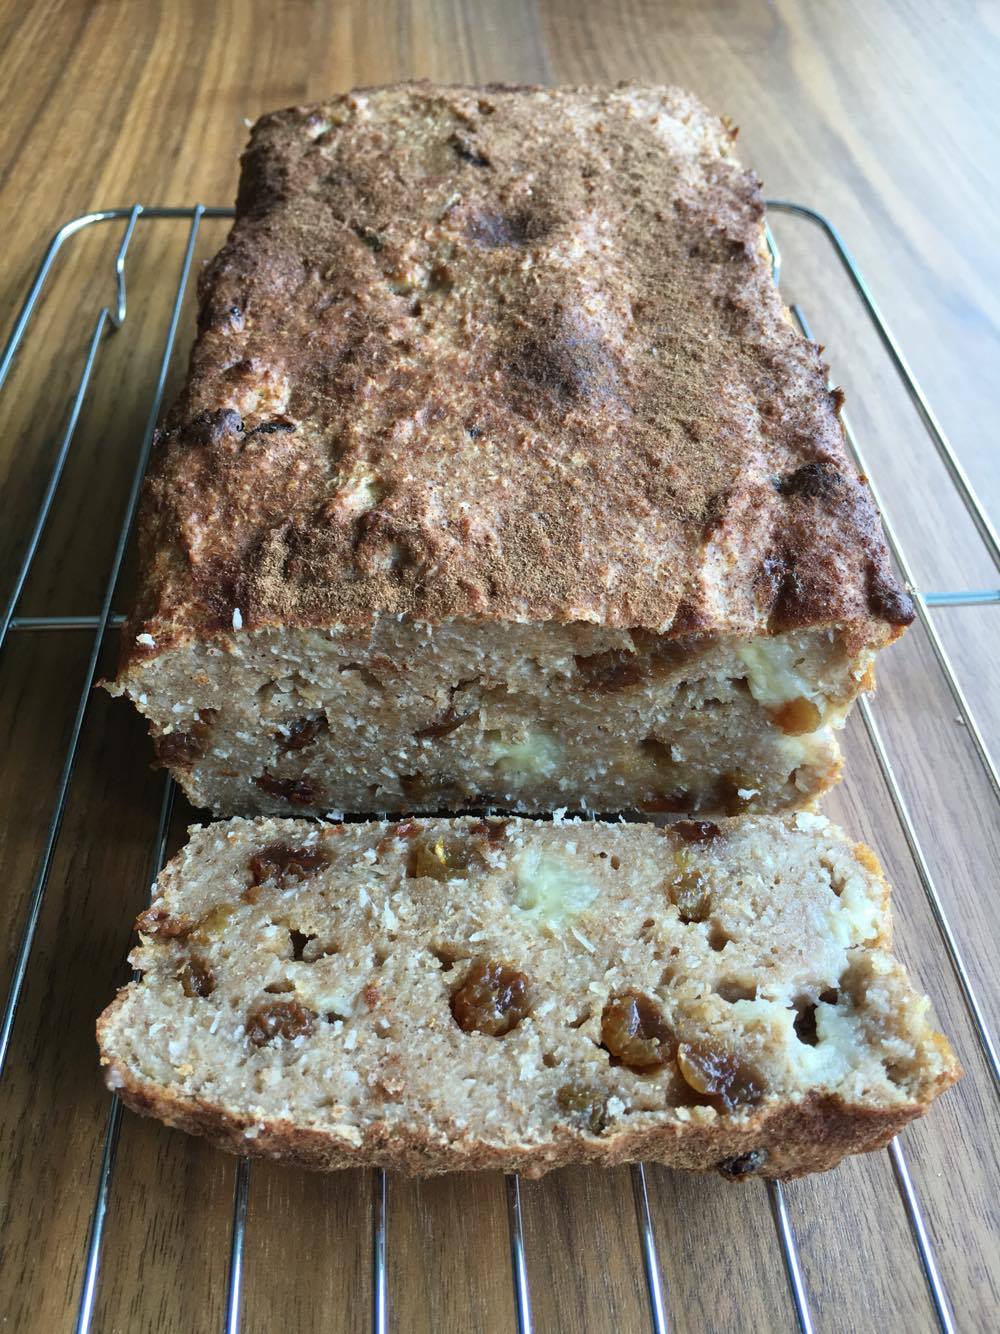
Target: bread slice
<point x="454" y="994"/>
<point x="500" y="477"/>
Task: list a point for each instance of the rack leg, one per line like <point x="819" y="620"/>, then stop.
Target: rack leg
<point x="790" y="1251"/>
<point x="519" y="1267"/>
<point x="380" y="1282"/>
<point x="650" y="1256"/>
<point x="234" y="1282"/>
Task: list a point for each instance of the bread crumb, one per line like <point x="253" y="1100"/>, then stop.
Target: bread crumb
<point x="320" y="1071"/>
<point x="810" y="822"/>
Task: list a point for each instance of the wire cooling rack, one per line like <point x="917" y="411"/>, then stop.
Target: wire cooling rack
<point x="110" y="318"/>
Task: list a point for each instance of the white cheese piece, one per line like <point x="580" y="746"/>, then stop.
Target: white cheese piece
<point x="856" y="916"/>
<point x="550" y="890"/>
<point x="537" y="754"/>
<point x="771" y="673"/>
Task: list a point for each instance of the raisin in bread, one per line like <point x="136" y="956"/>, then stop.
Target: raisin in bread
<point x="452" y="994"/>
<point x="500" y="477"/>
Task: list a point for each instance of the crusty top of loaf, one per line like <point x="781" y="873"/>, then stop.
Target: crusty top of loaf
<point x="504" y="353"/>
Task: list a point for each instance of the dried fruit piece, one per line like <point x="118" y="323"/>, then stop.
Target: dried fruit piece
<point x="439" y="860"/>
<point x="281" y="865"/>
<point x="414" y="787"/>
<point x="736" y="792"/>
<point x="615" y="669"/>
<point x="279" y="1019"/>
<point x="722" y="1079"/>
<point x="690" y="892"/>
<point x="302" y="732"/>
<point x="493" y="999"/>
<point x="670" y="803"/>
<point x="695" y="831"/>
<point x="298" y="791"/>
<point x="797" y="716"/>
<point x="428" y="860"/>
<point x="738" y="1169"/>
<point x="179" y="750"/>
<point x="196" y="977"/>
<point x="658" y="752"/>
<point x="635" y="1032"/>
<point x="494" y="831"/>
<point x="157" y="921"/>
<point x="586" y="1104"/>
<point x="404" y="830"/>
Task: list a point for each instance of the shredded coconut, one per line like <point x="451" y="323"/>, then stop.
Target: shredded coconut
<point x="583" y="940"/>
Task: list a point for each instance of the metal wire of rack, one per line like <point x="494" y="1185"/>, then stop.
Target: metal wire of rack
<point x="111" y="318"/>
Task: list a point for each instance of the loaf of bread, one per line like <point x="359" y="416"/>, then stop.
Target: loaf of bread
<point x="500" y="477"/>
<point x="451" y="994"/>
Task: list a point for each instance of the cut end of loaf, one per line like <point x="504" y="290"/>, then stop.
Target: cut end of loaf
<point x="408" y="717"/>
<point x="449" y="994"/>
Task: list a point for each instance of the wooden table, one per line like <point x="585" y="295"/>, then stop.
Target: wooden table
<point x="885" y="116"/>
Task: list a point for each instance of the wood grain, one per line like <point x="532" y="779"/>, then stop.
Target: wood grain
<point x="886" y="116"/>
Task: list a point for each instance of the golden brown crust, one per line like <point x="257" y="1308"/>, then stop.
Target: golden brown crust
<point x="504" y="354"/>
